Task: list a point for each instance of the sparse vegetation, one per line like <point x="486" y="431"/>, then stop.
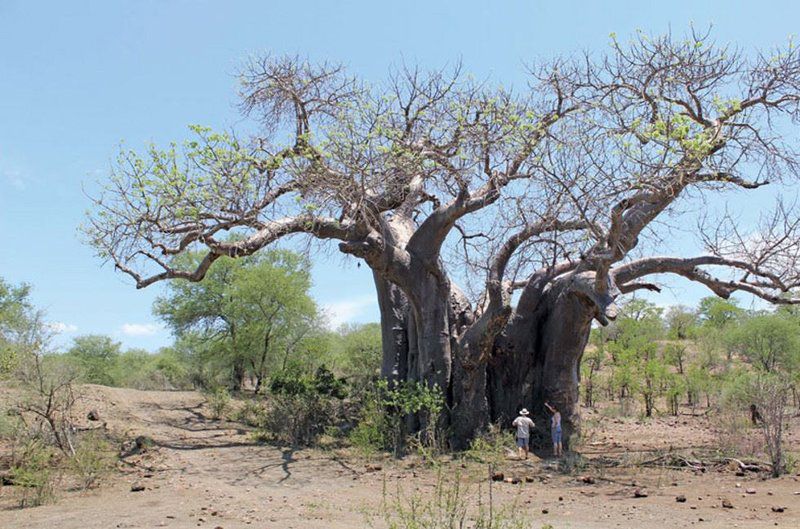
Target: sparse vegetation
<point x="453" y="503"/>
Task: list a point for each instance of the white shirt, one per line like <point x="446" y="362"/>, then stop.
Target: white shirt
<point x="524" y="425"/>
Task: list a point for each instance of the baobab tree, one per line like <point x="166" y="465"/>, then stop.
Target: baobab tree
<point x="546" y="202"/>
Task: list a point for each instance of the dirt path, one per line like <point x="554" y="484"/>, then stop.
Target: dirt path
<point x="205" y="473"/>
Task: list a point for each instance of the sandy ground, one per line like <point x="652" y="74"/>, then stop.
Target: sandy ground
<point x="210" y="474"/>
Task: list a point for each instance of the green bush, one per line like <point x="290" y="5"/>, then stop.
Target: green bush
<point x="219" y="401"/>
<point x="33" y="472"/>
<point x="294" y="382"/>
<point x="301" y="407"/>
<point x="385" y="410"/>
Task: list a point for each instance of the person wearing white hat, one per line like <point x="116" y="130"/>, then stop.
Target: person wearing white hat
<point x="524" y="425"/>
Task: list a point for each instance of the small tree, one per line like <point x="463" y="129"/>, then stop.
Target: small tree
<point x="46" y="407"/>
<point x="96" y="356"/>
<point x="769" y="341"/>
<point x="681" y="322"/>
<point x="770" y="394"/>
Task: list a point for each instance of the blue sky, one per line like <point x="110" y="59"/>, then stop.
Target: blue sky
<point x="76" y="78"/>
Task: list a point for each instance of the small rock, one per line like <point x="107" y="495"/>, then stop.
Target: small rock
<point x="640" y="493"/>
<point x="528" y="479"/>
<point x="680" y="498"/>
<point x="498" y="476"/>
<point x="545" y="511"/>
<point x="589" y="480"/>
<point x="750" y="491"/>
<point x="374" y="468"/>
<point x="778" y="509"/>
<point x="137" y="487"/>
<point x="93" y="415"/>
<point x="727" y="504"/>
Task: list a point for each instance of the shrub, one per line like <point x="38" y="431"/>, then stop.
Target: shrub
<point x="301" y="407"/>
<point x="295" y="382"/>
<point x="218" y="400"/>
<point x="251" y="413"/>
<point x="491" y="446"/>
<point x="297" y="419"/>
<point x="94" y="458"/>
<point x="386" y="410"/>
<point x="768" y="395"/>
<point x="33" y="473"/>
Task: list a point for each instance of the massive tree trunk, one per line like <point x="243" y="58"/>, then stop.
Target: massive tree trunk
<point x="537" y="357"/>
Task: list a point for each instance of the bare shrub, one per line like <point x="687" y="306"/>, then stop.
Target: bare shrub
<point x="770" y="394"/>
<point x="296" y="419"/>
<point x="46" y="407"/>
<point x="762" y="398"/>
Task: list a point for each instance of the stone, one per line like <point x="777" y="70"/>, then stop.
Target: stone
<point x="498" y="476"/>
<point x="93" y="415"/>
<point x="750" y="491"/>
<point x="640" y="493"/>
<point x="778" y="509"/>
<point x="137" y="487"/>
<point x="680" y="498"/>
<point x="727" y="504"/>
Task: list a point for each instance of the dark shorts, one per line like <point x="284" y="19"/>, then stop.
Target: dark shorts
<point x="556" y="434"/>
<point x="522" y="442"/>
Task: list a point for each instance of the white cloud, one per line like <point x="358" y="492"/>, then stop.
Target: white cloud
<point x="59" y="327"/>
<point x="345" y="311"/>
<point x="140" y="329"/>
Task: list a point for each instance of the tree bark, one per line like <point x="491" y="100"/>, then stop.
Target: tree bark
<point x="395" y="339"/>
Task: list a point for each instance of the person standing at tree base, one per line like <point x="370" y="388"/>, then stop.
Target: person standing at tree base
<point x="555" y="429"/>
<point x="524" y="425"/>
